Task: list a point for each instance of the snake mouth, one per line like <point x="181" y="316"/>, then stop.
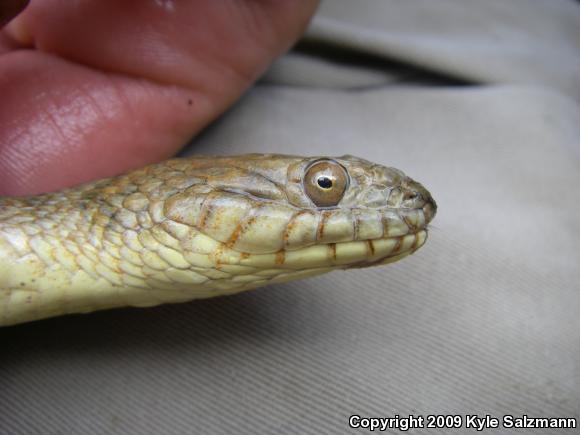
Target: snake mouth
<point x="342" y="255"/>
<point x="389" y="250"/>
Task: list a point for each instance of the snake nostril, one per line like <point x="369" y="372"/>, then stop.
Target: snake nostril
<point x="411" y="196"/>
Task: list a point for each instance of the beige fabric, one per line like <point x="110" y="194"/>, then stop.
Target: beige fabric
<point x="479" y="100"/>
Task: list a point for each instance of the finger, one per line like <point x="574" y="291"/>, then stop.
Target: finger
<point x="126" y="83"/>
<point x="63" y="123"/>
<point x="190" y="44"/>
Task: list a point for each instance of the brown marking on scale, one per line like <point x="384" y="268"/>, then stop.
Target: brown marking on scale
<point x="384" y="225"/>
<point x="216" y="256"/>
<point x="332" y="250"/>
<point x="245" y="255"/>
<point x="243" y="225"/>
<point x="371" y="247"/>
<point x="280" y="257"/>
<point x="355" y="225"/>
<point x="411" y="225"/>
<point x="206" y="211"/>
<point x="414" y="246"/>
<point x="321" y="224"/>
<point x="291" y="225"/>
<point x="398" y="246"/>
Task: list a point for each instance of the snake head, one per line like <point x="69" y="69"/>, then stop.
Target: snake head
<point x="301" y="213"/>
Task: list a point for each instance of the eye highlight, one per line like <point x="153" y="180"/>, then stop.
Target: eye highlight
<point x="325" y="182"/>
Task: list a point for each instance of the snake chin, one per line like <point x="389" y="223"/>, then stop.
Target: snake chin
<point x="391" y="249"/>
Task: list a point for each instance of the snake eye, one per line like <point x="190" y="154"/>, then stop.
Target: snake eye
<point x="325" y="182"/>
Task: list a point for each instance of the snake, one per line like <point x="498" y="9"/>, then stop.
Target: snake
<point x="202" y="226"/>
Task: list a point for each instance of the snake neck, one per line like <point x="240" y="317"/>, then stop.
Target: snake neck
<point x="71" y="253"/>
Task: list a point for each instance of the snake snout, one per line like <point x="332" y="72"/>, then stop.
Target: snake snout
<point x="415" y="196"/>
<point x="430" y="209"/>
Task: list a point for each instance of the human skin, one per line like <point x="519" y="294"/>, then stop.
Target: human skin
<point x="92" y="89"/>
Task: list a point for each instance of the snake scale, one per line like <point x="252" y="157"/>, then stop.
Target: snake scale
<point x="202" y="226"/>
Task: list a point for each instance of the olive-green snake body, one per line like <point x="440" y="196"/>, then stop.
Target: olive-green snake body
<point x="200" y="227"/>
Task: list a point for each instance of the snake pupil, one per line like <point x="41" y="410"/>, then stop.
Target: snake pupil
<point x="324" y="182"/>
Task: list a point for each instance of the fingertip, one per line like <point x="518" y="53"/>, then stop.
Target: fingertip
<point x="10" y="9"/>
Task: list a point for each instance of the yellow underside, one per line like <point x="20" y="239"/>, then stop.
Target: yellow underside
<point x="31" y="290"/>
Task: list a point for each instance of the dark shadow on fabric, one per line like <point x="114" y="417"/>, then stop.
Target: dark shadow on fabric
<point x="252" y="316"/>
<point x="407" y="72"/>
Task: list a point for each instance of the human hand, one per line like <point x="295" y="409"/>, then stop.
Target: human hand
<point x="91" y="88"/>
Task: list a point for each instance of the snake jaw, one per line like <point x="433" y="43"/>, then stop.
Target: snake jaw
<point x="404" y="249"/>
